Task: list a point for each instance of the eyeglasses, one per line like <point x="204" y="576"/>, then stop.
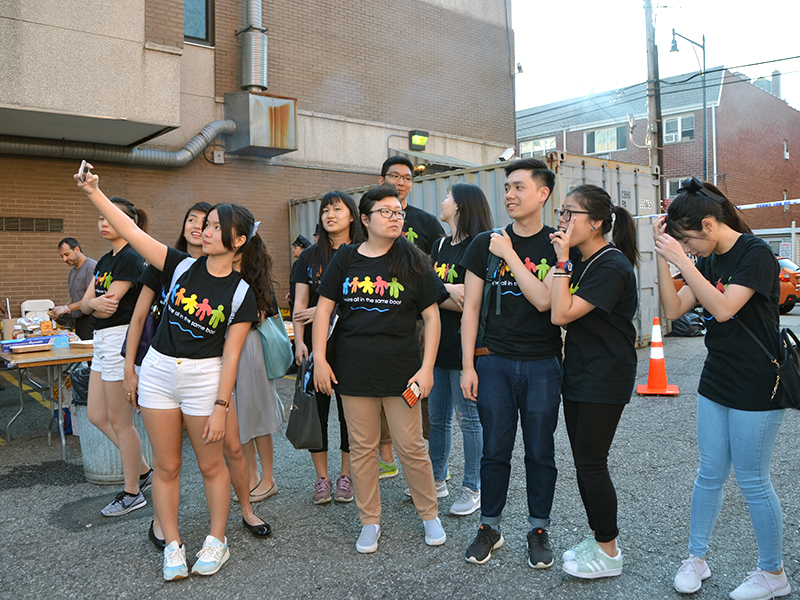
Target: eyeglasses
<point x="395" y="176"/>
<point x="387" y="213"/>
<point x="566" y="214"/>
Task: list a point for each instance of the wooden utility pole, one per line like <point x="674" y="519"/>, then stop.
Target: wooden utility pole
<point x="655" y="134"/>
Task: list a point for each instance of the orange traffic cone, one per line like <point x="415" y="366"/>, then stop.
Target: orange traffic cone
<point x="657" y="377"/>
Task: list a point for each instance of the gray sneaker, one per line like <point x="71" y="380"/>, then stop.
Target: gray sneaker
<point x="123" y="504"/>
<point x="146" y="481"/>
<point x="468" y="502"/>
<point x="441" y="490"/>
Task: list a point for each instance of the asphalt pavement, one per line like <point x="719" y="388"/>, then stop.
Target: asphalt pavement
<point x="58" y="546"/>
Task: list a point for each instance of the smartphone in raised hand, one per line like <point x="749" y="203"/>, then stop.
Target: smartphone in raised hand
<point x="83" y="171"/>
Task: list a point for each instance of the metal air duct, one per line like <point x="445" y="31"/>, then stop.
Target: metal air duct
<point x="22" y="146"/>
<point x="254" y="50"/>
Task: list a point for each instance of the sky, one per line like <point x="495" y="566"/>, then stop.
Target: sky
<point x="573" y="48"/>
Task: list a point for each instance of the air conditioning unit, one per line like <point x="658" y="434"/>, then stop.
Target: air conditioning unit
<point x="266" y="125"/>
<point x="670" y="137"/>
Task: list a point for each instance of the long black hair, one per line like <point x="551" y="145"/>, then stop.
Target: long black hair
<point x="596" y="201"/>
<point x="697" y="200"/>
<point x="474" y="215"/>
<point x="404" y="257"/>
<point x="139" y="216"/>
<point x="182" y="244"/>
<point x="320" y="254"/>
<point x="256" y="265"/>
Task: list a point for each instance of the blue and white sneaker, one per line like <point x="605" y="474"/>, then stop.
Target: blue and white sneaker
<point x="434" y="533"/>
<point x="175" y="567"/>
<point x="367" y="542"/>
<point x="211" y="557"/>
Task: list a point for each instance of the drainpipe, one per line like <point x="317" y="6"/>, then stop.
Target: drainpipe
<point x="22" y="146"/>
<point x="714" y="139"/>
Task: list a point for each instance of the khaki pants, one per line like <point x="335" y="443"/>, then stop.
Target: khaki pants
<point x="363" y="415"/>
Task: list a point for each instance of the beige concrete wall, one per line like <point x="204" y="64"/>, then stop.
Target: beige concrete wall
<point x="86" y="58"/>
<point x="339" y="142"/>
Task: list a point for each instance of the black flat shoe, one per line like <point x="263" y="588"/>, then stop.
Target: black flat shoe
<point x="158" y="543"/>
<point x="262" y="530"/>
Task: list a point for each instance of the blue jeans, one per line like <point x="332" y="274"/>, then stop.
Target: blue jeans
<point x="744" y="439"/>
<point x="445" y="396"/>
<point x="532" y="390"/>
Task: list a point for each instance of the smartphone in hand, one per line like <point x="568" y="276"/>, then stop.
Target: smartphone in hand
<point x="411" y="395"/>
<point x="83" y="171"/>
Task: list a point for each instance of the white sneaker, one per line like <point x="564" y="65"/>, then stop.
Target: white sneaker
<point x="175" y="562"/>
<point x="468" y="502"/>
<point x="212" y="556"/>
<point x="368" y="540"/>
<point x="441" y="490"/>
<point x="690" y="576"/>
<point x="761" y="585"/>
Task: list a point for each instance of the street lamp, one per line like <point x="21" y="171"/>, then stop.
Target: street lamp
<point x="674" y="48"/>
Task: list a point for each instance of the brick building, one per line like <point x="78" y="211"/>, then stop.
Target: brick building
<point x="750" y="134"/>
<point x="130" y="86"/>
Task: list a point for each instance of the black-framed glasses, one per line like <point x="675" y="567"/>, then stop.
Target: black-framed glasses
<point x="395" y="176"/>
<point x="566" y="213"/>
<point x="387" y="213"/>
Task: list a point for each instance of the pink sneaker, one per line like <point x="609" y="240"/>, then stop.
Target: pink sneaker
<point x="344" y="489"/>
<point x="322" y="491"/>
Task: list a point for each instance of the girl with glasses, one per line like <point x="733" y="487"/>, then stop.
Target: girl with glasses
<point x="595" y="302"/>
<point x="381" y="286"/>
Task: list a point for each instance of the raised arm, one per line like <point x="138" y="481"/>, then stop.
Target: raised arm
<point x="153" y="251"/>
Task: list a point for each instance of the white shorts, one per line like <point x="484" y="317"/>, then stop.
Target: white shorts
<point x="189" y="384"/>
<point x="107" y="359"/>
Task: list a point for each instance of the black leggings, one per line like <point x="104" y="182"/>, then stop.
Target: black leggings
<point x="323" y="407"/>
<point x="591" y="428"/>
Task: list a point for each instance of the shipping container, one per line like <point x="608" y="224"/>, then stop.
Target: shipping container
<point x="631" y="186"/>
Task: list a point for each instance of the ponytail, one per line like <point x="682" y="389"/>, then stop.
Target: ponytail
<point x="697" y="200"/>
<point x="616" y="219"/>
<point x="623" y="234"/>
<point x="138" y="215"/>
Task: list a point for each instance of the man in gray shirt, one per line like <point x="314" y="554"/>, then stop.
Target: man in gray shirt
<point x="81" y="276"/>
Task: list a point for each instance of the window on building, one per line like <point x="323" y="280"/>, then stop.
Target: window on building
<point x="534" y="148"/>
<point x="198" y="21"/>
<point x="678" y="129"/>
<point x="673" y="185"/>
<point x="607" y="140"/>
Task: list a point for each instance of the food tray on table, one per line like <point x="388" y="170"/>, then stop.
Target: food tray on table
<point x="23" y="348"/>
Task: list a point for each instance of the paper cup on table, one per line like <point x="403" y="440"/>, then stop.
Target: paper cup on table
<point x="8" y="328"/>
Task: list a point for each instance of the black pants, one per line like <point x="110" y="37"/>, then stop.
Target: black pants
<point x="591" y="428"/>
<point x="323" y="406"/>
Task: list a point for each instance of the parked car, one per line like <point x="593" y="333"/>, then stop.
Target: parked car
<point x="788" y="276"/>
<point x="790" y="284"/>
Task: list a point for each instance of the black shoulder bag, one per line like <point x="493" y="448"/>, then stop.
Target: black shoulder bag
<point x="787" y="379"/>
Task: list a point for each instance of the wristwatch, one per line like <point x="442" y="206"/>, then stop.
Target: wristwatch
<point x="221" y="402"/>
<point x="564" y="264"/>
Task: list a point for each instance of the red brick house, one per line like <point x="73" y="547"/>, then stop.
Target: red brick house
<point x="753" y="138"/>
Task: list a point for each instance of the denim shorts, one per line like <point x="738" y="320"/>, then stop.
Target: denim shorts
<point x="107" y="359"/>
<point x="190" y="384"/>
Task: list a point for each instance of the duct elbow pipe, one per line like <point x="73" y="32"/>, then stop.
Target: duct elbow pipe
<point x="21" y="146"/>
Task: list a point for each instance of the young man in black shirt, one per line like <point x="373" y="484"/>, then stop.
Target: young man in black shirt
<point x="516" y="370"/>
<point x="421" y="229"/>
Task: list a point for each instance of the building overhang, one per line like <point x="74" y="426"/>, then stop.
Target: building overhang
<point x="56" y="125"/>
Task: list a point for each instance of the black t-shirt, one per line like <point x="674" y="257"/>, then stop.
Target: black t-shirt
<point x="520" y="332"/>
<point x="737" y="373"/>
<point x="197" y="310"/>
<point x="421" y="228"/>
<point x="600" y="351"/>
<point x="126" y="265"/>
<point x="446" y="264"/>
<point x="376" y="342"/>
<point x="311" y="275"/>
